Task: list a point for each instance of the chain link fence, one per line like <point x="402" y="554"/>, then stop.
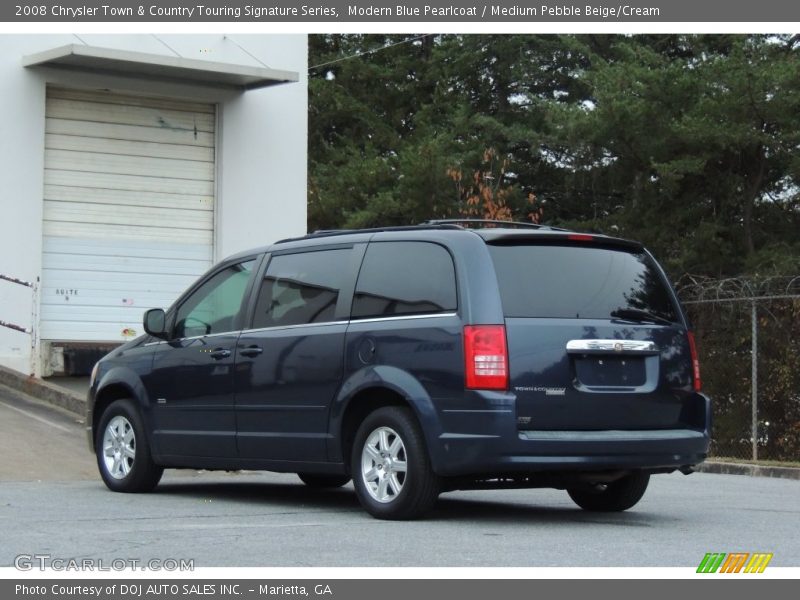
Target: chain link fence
<point x="748" y="335"/>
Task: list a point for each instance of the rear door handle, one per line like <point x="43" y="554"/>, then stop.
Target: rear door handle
<point x="220" y="353"/>
<point x="251" y="351"/>
<point x="611" y="347"/>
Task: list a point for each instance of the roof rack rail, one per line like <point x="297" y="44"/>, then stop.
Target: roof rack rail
<point x="319" y="233"/>
<point x="469" y="221"/>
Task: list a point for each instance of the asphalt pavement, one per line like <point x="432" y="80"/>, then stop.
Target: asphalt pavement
<point x="52" y="501"/>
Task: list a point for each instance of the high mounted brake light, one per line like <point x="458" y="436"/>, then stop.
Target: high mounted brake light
<point x="580" y="237"/>
<point x="486" y="357"/>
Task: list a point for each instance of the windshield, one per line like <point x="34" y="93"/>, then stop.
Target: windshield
<point x="579" y="282"/>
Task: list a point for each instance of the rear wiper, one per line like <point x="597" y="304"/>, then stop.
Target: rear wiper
<point x="639" y="315"/>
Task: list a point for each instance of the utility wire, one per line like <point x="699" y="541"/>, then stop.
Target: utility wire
<point x="246" y="51"/>
<point x="170" y="48"/>
<point x="372" y="51"/>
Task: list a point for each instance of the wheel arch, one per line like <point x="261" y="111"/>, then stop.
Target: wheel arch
<point x="116" y="385"/>
<point x="373" y="388"/>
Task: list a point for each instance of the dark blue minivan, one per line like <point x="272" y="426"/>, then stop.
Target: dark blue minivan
<point x="414" y="361"/>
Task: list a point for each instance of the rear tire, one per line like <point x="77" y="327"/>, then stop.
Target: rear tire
<point x="392" y="473"/>
<point x="616" y="496"/>
<point x="123" y="452"/>
<point x="323" y="481"/>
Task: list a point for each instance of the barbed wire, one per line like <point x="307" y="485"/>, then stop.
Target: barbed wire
<point x="696" y="289"/>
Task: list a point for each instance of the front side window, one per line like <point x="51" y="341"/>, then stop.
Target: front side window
<point x="405" y="278"/>
<point x="299" y="289"/>
<point x="215" y="305"/>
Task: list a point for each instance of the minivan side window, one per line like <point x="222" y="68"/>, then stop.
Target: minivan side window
<point x="214" y="306"/>
<point x="405" y="278"/>
<point x="301" y="288"/>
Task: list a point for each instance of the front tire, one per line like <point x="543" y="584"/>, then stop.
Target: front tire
<point x="392" y="473"/>
<point x="616" y="496"/>
<point x="123" y="452"/>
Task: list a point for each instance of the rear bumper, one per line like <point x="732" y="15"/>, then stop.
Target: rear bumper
<point x="493" y="445"/>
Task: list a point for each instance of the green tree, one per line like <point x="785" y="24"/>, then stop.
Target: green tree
<point x="689" y="143"/>
<point x="695" y="135"/>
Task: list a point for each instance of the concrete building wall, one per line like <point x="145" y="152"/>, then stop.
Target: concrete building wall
<point x="261" y="150"/>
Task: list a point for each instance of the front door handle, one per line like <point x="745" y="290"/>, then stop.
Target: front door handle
<point x="220" y="353"/>
<point x="251" y="351"/>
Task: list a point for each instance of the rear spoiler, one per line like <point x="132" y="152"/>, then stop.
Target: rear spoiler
<point x="514" y="236"/>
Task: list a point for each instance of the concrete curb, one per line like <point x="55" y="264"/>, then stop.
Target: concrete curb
<point x="47" y="392"/>
<point x="726" y="468"/>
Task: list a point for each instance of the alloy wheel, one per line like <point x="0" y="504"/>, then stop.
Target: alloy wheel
<point x="383" y="464"/>
<point x="119" y="447"/>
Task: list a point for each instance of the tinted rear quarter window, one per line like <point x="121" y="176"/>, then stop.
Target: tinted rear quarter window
<point x="405" y="278"/>
<point x="578" y="282"/>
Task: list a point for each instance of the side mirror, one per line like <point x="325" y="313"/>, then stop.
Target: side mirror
<point x="155" y="323"/>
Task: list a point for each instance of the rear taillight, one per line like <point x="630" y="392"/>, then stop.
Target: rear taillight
<point x="486" y="357"/>
<point x="697" y="385"/>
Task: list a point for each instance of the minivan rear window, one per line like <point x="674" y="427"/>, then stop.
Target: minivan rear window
<point x="578" y="282"/>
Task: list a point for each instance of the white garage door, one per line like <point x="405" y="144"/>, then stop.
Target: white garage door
<point x="128" y="209"/>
